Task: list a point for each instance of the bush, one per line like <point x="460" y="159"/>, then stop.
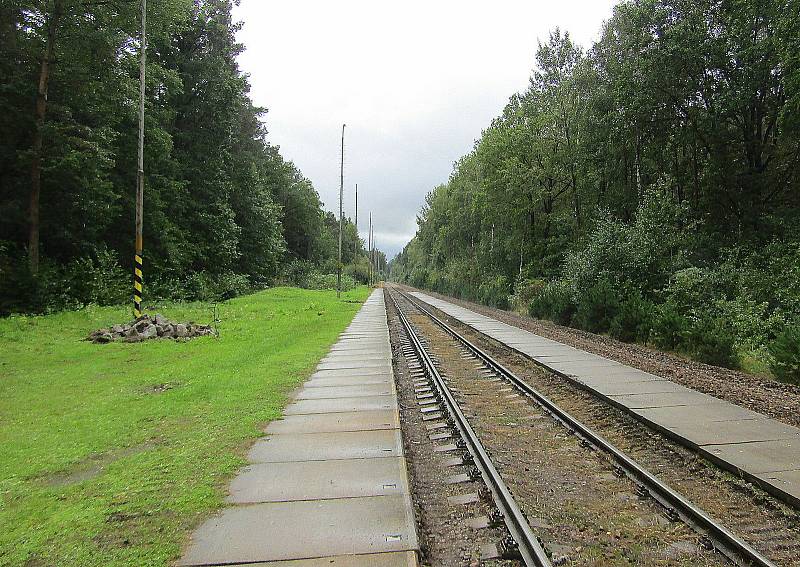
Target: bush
<point x="329" y="281"/>
<point x="216" y="287"/>
<point x="554" y="302"/>
<point x="669" y="327"/>
<point x="597" y="307"/>
<point x="493" y="291"/>
<point x="525" y="291"/>
<point x="710" y="340"/>
<point x="785" y="351"/>
<point x="633" y="320"/>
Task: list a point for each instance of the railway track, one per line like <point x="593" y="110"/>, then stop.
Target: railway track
<point x="523" y="539"/>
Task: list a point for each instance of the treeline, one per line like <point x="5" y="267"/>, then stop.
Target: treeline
<point x="224" y="211"/>
<point x="648" y="187"/>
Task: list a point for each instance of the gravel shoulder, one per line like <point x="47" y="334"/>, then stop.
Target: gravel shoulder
<point x="767" y="396"/>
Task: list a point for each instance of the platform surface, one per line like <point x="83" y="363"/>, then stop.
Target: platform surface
<point x="764" y="450"/>
<point x="327" y="484"/>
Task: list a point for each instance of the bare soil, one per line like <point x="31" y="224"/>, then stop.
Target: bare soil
<point x="758" y="393"/>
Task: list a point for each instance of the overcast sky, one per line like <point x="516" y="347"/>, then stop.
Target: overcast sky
<point x="415" y="82"/>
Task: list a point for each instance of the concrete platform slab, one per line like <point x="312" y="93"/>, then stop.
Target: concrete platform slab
<point x="368" y="371"/>
<point x="354" y="364"/>
<point x="291" y="447"/>
<point x="694" y="415"/>
<point x="666" y="399"/>
<point x="333" y="422"/>
<point x="336" y="405"/>
<point x="760" y="456"/>
<point x="744" y="431"/>
<point x="392" y="559"/>
<point x="303" y="530"/>
<point x="348" y="381"/>
<point x="347" y="357"/>
<point x="320" y="393"/>
<point x="318" y="480"/>
<point x="610" y="388"/>
<point x="787" y="481"/>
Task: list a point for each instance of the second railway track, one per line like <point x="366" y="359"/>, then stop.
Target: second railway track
<point x="649" y="493"/>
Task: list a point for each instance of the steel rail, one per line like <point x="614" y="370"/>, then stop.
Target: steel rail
<point x="731" y="546"/>
<point x="527" y="543"/>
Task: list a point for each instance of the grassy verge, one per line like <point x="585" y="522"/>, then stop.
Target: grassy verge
<point x="110" y="454"/>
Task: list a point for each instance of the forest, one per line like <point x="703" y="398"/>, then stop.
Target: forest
<point x="224" y="211"/>
<point x="647" y="187"/>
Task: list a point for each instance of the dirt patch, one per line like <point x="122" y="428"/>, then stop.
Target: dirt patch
<point x="775" y="399"/>
<point x="94" y="465"/>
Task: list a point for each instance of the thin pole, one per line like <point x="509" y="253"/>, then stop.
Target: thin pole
<point x="355" y="246"/>
<point x="341" y="193"/>
<point x="369" y="247"/>
<point x="138" y="279"/>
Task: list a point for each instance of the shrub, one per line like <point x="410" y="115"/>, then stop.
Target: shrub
<point x="785" y="351"/>
<point x="525" y="291"/>
<point x="554" y="302"/>
<point x="709" y="340"/>
<point x="493" y="291"/>
<point x="597" y="307"/>
<point x="204" y="286"/>
<point x="633" y="320"/>
<point x="329" y="281"/>
<point x="669" y="327"/>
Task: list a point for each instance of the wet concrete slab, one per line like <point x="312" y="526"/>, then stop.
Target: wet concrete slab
<point x="319" y="393"/>
<point x="335" y="405"/>
<point x="334" y="422"/>
<point x="289" y="447"/>
<point x="279" y="531"/>
<point x="317" y="480"/>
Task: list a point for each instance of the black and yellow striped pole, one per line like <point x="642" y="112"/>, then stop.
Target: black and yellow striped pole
<point x="137" y="266"/>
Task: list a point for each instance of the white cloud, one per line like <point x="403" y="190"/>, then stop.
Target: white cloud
<point x="415" y="81"/>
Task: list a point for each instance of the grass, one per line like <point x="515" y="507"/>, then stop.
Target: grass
<point x="111" y="454"/>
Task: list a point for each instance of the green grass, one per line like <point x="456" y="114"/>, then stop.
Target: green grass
<point x="110" y="454"/>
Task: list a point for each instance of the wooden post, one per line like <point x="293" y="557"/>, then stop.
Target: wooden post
<point x="138" y="278"/>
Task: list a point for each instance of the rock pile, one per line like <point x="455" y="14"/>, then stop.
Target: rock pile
<point x="147" y="327"/>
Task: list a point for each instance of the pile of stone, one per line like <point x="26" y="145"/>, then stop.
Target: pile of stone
<point x="147" y="327"/>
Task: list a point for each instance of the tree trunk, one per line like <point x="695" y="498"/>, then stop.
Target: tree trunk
<point x="41" y="108"/>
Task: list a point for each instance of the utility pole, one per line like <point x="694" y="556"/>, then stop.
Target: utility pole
<point x="137" y="269"/>
<point x="369" y="248"/>
<point x="341" y="193"/>
<point x="355" y="246"/>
